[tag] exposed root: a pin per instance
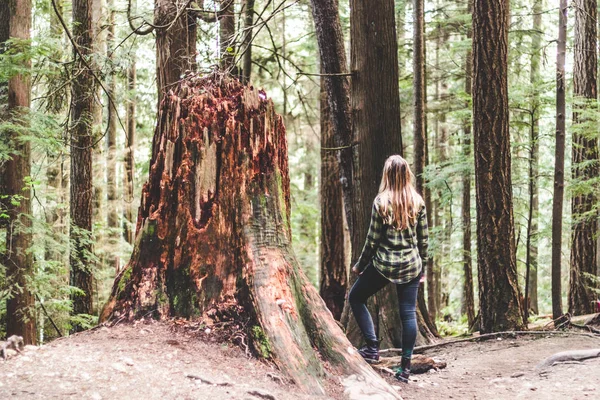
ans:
(567, 356)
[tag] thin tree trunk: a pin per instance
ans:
(98, 40)
(15, 17)
(559, 162)
(54, 174)
(531, 303)
(468, 305)
(584, 158)
(500, 305)
(111, 140)
(226, 33)
(129, 163)
(420, 137)
(247, 41)
(213, 237)
(83, 90)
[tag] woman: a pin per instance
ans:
(395, 251)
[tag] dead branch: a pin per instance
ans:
(488, 336)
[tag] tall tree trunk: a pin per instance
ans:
(333, 276)
(111, 141)
(83, 90)
(247, 40)
(213, 236)
(335, 69)
(15, 18)
(227, 33)
(420, 137)
(129, 164)
(376, 132)
(54, 206)
(175, 44)
(531, 281)
(499, 300)
(468, 298)
(559, 162)
(584, 158)
(98, 40)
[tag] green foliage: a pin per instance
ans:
(260, 342)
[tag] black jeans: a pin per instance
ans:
(369, 283)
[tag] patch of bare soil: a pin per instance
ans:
(152, 361)
(144, 361)
(506, 369)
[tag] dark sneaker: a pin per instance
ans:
(403, 371)
(402, 375)
(370, 352)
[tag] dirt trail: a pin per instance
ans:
(150, 361)
(505, 369)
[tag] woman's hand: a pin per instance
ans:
(356, 270)
(423, 278)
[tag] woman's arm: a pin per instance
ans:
(422, 236)
(372, 241)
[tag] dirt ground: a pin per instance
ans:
(151, 361)
(506, 369)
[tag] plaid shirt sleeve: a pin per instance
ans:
(423, 237)
(372, 242)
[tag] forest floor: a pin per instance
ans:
(155, 361)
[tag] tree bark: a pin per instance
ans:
(227, 34)
(559, 162)
(584, 158)
(500, 305)
(376, 134)
(213, 235)
(129, 164)
(83, 90)
(111, 141)
(334, 67)
(15, 17)
(468, 298)
(175, 44)
(333, 274)
(247, 41)
(531, 281)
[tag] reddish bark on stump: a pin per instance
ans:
(213, 230)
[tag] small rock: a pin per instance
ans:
(127, 361)
(517, 375)
(119, 367)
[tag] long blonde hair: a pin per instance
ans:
(398, 201)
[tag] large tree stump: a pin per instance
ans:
(213, 230)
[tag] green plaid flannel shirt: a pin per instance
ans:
(399, 255)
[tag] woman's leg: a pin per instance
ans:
(407, 299)
(367, 284)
